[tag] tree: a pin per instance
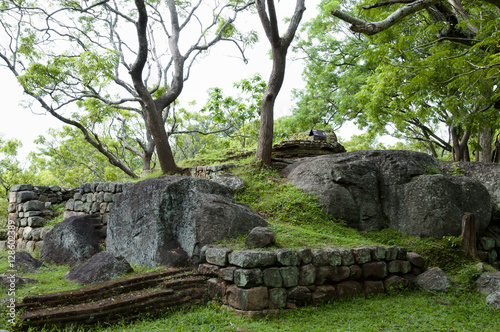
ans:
(404, 79)
(66, 159)
(111, 57)
(279, 48)
(11, 172)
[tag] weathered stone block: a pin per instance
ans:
(373, 287)
(374, 270)
(320, 257)
(11, 208)
(377, 253)
(332, 273)
(260, 237)
(362, 255)
(399, 266)
(31, 214)
(287, 257)
(22, 187)
(324, 293)
(394, 282)
(227, 273)
(216, 288)
(300, 295)
(415, 259)
(334, 258)
(248, 299)
(402, 253)
(391, 253)
(307, 275)
(24, 196)
(272, 277)
(247, 278)
(305, 255)
(35, 221)
(290, 276)
(208, 270)
(349, 288)
(277, 298)
(356, 272)
(217, 256)
(70, 204)
(252, 258)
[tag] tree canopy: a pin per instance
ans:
(431, 75)
(90, 62)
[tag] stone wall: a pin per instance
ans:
(208, 172)
(254, 280)
(31, 205)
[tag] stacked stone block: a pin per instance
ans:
(29, 206)
(208, 172)
(489, 249)
(254, 280)
(94, 198)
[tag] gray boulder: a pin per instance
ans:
(433, 280)
(260, 237)
(433, 205)
(486, 173)
(167, 220)
(493, 300)
(488, 283)
(71, 241)
(24, 261)
(399, 189)
(100, 267)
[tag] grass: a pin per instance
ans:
(299, 222)
(408, 310)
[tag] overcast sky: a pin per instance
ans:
(222, 67)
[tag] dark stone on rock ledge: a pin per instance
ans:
(260, 237)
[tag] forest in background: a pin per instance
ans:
(429, 77)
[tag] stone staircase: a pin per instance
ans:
(124, 299)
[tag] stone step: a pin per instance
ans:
(116, 300)
(103, 290)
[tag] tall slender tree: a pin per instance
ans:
(279, 48)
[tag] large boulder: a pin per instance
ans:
(400, 189)
(101, 267)
(486, 173)
(167, 220)
(433, 205)
(71, 241)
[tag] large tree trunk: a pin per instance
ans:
(266, 132)
(460, 140)
(485, 140)
(279, 46)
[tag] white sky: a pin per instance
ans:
(222, 67)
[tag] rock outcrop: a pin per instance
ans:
(167, 220)
(403, 190)
(71, 241)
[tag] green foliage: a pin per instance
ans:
(401, 81)
(65, 158)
